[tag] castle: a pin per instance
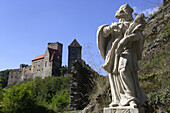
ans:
(74, 53)
(47, 64)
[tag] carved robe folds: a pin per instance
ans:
(121, 48)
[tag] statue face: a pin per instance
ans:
(125, 11)
(120, 14)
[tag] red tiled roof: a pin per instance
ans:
(38, 57)
(75, 43)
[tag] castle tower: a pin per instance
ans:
(49, 63)
(74, 53)
(53, 59)
(56, 46)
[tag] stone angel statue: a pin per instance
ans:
(120, 44)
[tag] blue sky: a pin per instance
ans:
(26, 26)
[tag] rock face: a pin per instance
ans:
(155, 31)
(81, 85)
(165, 2)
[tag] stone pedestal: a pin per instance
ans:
(122, 110)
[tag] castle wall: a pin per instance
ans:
(74, 53)
(14, 76)
(27, 69)
(58, 46)
(54, 53)
(55, 68)
(47, 65)
(19, 75)
(37, 67)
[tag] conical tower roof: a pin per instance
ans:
(75, 43)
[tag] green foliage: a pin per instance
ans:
(166, 32)
(63, 70)
(46, 88)
(1, 94)
(60, 100)
(40, 96)
(160, 98)
(19, 98)
(150, 15)
(154, 72)
(4, 77)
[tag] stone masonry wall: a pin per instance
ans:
(38, 67)
(74, 53)
(19, 75)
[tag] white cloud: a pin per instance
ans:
(146, 11)
(135, 9)
(150, 10)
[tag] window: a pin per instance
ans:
(45, 63)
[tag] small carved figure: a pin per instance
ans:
(120, 45)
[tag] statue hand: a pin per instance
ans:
(114, 25)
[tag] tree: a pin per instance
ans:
(4, 77)
(63, 70)
(61, 100)
(93, 58)
(19, 98)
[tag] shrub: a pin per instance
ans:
(19, 98)
(61, 100)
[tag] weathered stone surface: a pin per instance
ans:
(167, 17)
(122, 110)
(88, 109)
(165, 2)
(121, 44)
(19, 75)
(156, 29)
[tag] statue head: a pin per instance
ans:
(140, 18)
(125, 11)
